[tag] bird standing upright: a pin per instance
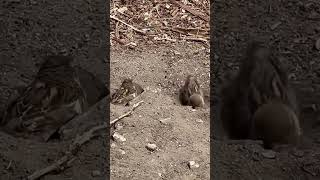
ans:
(261, 80)
(191, 93)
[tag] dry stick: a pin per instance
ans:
(195, 39)
(190, 38)
(185, 30)
(134, 28)
(127, 113)
(67, 159)
(188, 8)
(9, 165)
(117, 31)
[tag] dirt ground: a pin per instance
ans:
(292, 27)
(184, 134)
(30, 30)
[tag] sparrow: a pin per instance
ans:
(191, 93)
(260, 78)
(127, 92)
(53, 98)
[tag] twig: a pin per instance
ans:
(117, 31)
(188, 8)
(308, 171)
(53, 167)
(127, 113)
(188, 31)
(134, 28)
(9, 165)
(165, 38)
(67, 159)
(69, 156)
(195, 39)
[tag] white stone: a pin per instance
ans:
(151, 147)
(118, 137)
(193, 164)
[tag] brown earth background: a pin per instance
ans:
(157, 44)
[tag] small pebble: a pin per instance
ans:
(176, 53)
(165, 121)
(199, 121)
(317, 44)
(113, 145)
(269, 154)
(118, 137)
(151, 147)
(216, 57)
(122, 152)
(193, 164)
(118, 126)
(131, 45)
(87, 37)
(96, 173)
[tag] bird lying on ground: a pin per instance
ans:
(54, 97)
(127, 92)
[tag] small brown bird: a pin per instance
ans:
(276, 123)
(126, 93)
(191, 93)
(268, 79)
(261, 78)
(53, 98)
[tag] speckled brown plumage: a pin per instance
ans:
(127, 92)
(51, 100)
(261, 78)
(191, 93)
